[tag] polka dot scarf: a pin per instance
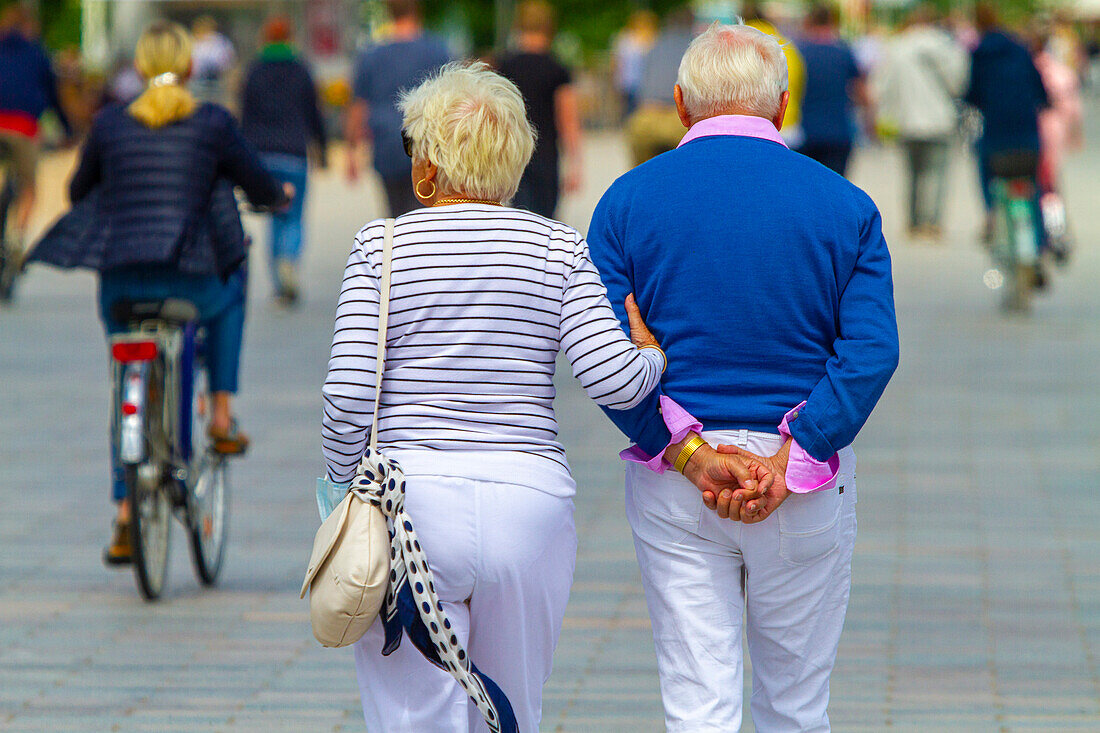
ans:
(411, 605)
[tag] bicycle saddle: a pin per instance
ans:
(170, 310)
(1014, 164)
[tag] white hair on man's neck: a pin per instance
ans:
(732, 69)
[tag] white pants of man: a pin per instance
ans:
(503, 558)
(788, 576)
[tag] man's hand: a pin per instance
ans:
(775, 493)
(726, 481)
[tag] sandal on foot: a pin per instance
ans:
(119, 551)
(230, 443)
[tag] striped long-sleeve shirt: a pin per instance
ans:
(482, 298)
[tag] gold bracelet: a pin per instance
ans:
(687, 452)
(660, 351)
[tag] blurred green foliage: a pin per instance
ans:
(592, 22)
(60, 23)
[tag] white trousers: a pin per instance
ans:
(788, 577)
(503, 558)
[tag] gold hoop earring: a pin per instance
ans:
(417, 189)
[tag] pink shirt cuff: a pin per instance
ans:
(679, 422)
(805, 474)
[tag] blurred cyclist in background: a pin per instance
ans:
(149, 173)
(28, 87)
(1006, 88)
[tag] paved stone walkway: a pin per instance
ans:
(976, 600)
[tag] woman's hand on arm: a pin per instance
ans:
(639, 332)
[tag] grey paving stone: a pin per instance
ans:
(976, 596)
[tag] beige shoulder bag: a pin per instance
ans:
(349, 568)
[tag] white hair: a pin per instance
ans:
(472, 123)
(732, 68)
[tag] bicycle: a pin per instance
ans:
(160, 414)
(1016, 237)
(10, 260)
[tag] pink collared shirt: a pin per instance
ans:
(804, 473)
(743, 125)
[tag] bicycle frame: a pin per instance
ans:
(133, 355)
(1016, 235)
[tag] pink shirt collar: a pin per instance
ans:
(744, 125)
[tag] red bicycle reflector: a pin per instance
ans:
(129, 408)
(134, 351)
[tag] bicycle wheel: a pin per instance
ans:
(8, 259)
(150, 493)
(207, 512)
(207, 491)
(150, 525)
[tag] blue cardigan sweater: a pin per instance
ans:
(766, 279)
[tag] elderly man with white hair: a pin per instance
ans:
(766, 278)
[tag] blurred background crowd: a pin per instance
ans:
(1005, 75)
(605, 45)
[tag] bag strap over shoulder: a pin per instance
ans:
(383, 323)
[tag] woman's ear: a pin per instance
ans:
(430, 170)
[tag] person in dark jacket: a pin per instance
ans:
(152, 167)
(551, 100)
(834, 86)
(1006, 88)
(279, 117)
(28, 87)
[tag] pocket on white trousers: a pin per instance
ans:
(809, 525)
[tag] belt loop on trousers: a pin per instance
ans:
(743, 438)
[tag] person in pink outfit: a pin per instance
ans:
(1060, 124)
(1060, 132)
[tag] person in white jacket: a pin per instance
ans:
(924, 76)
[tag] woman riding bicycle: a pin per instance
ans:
(154, 168)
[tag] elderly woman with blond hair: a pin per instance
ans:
(483, 297)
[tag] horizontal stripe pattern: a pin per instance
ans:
(481, 300)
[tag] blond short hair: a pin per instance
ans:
(732, 67)
(472, 123)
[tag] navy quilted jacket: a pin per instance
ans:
(153, 188)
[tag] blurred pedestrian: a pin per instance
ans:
(212, 58)
(655, 127)
(734, 231)
(547, 88)
(1061, 125)
(753, 16)
(628, 56)
(28, 88)
(921, 82)
(280, 117)
(834, 82)
(1061, 130)
(380, 73)
(1005, 87)
(488, 295)
(149, 174)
